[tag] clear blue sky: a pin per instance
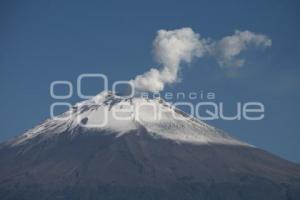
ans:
(43, 41)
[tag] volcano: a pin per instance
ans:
(114, 147)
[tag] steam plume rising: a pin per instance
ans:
(171, 48)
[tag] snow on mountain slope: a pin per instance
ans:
(120, 115)
(138, 156)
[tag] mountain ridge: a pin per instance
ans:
(87, 114)
(147, 159)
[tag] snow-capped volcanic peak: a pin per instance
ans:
(121, 115)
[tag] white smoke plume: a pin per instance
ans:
(171, 48)
(228, 48)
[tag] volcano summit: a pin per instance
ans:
(143, 149)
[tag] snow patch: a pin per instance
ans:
(107, 111)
